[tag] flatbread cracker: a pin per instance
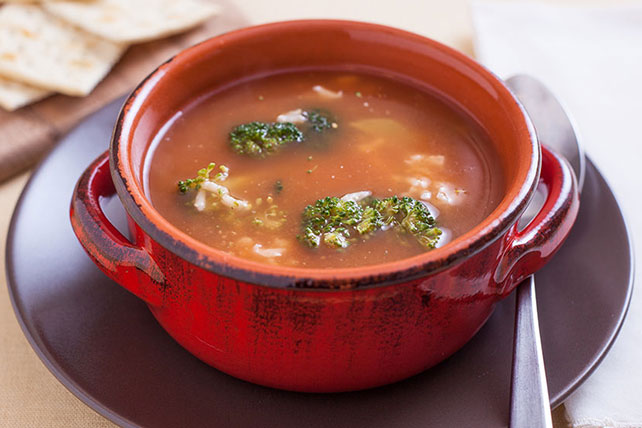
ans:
(129, 21)
(41, 50)
(14, 95)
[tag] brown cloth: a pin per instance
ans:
(29, 132)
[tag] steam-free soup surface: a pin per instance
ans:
(387, 138)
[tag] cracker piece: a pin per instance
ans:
(41, 50)
(14, 95)
(128, 21)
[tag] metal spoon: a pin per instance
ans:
(529, 402)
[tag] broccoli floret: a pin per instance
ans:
(318, 127)
(310, 237)
(411, 216)
(203, 174)
(330, 216)
(336, 239)
(259, 139)
(319, 120)
(371, 220)
(333, 221)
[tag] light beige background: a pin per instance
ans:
(30, 396)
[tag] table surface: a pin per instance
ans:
(30, 396)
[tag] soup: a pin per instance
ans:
(323, 169)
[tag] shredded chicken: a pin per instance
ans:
(327, 93)
(234, 204)
(220, 192)
(200, 199)
(268, 252)
(216, 188)
(292, 116)
(449, 194)
(356, 196)
(422, 160)
(419, 188)
(425, 196)
(419, 182)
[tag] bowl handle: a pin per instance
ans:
(528, 250)
(127, 264)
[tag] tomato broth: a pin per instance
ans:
(384, 138)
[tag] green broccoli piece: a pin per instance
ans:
(329, 219)
(259, 139)
(333, 221)
(411, 216)
(310, 237)
(319, 120)
(203, 174)
(371, 221)
(336, 239)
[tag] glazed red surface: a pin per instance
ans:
(312, 330)
(313, 340)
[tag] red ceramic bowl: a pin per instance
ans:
(323, 330)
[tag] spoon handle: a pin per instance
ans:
(529, 401)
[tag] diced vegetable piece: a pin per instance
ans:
(381, 127)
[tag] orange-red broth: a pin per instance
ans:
(391, 139)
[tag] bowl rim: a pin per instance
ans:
(140, 209)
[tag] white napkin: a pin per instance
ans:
(591, 57)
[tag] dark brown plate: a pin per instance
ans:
(105, 346)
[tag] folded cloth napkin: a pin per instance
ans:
(591, 57)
